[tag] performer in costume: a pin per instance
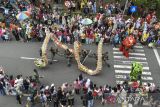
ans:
(105, 58)
(127, 43)
(84, 54)
(69, 57)
(53, 53)
(136, 71)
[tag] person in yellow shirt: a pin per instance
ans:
(82, 4)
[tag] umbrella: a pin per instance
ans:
(86, 21)
(23, 15)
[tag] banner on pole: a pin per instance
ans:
(133, 9)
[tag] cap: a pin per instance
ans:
(47, 87)
(52, 85)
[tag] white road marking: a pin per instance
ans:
(28, 58)
(130, 62)
(135, 58)
(138, 43)
(136, 54)
(136, 50)
(138, 46)
(121, 76)
(124, 77)
(147, 78)
(157, 55)
(121, 82)
(35, 58)
(128, 72)
(148, 82)
(121, 62)
(128, 67)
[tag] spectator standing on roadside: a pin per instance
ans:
(70, 96)
(84, 99)
(63, 100)
(86, 10)
(2, 91)
(94, 7)
(90, 99)
(55, 100)
(36, 75)
(43, 99)
(15, 33)
(77, 86)
(26, 84)
(19, 98)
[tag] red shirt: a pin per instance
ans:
(59, 33)
(90, 36)
(12, 82)
(65, 33)
(88, 31)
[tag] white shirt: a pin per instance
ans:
(1, 76)
(19, 82)
(44, 17)
(89, 4)
(138, 24)
(6, 36)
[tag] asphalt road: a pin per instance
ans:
(58, 72)
(153, 64)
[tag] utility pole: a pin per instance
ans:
(125, 7)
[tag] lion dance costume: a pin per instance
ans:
(127, 43)
(136, 70)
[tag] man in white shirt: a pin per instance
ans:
(138, 23)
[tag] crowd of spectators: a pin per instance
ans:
(68, 27)
(66, 94)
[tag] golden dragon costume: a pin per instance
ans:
(76, 51)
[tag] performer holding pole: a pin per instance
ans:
(53, 53)
(83, 54)
(86, 56)
(69, 57)
(105, 58)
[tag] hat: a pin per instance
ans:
(52, 85)
(47, 87)
(145, 84)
